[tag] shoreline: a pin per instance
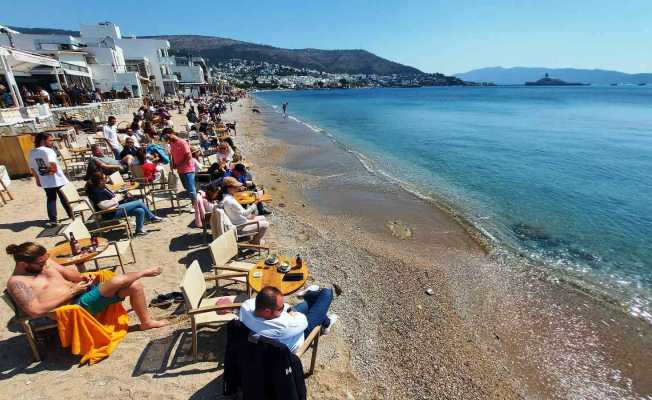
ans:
(491, 244)
(574, 298)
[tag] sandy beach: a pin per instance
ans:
(486, 331)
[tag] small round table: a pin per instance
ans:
(62, 253)
(249, 197)
(265, 275)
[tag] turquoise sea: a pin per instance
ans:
(562, 175)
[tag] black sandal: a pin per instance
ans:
(161, 301)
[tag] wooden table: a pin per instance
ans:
(62, 253)
(269, 276)
(249, 197)
(79, 150)
(127, 186)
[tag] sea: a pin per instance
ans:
(559, 175)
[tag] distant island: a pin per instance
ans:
(519, 75)
(548, 81)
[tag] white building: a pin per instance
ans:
(97, 59)
(154, 50)
(74, 61)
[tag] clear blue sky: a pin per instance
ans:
(435, 36)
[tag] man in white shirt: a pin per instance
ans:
(268, 316)
(48, 174)
(110, 133)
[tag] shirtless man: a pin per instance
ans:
(39, 285)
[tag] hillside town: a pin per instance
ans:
(101, 63)
(263, 75)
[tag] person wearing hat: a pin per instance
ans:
(240, 215)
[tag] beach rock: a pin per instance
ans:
(430, 292)
(281, 205)
(399, 229)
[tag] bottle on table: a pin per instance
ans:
(299, 262)
(74, 245)
(94, 243)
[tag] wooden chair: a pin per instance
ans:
(116, 249)
(220, 223)
(30, 325)
(203, 310)
(4, 191)
(117, 179)
(79, 205)
(73, 165)
(223, 250)
(157, 191)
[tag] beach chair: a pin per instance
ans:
(30, 326)
(79, 205)
(73, 165)
(5, 192)
(203, 310)
(223, 251)
(220, 223)
(117, 179)
(116, 249)
(155, 192)
(244, 347)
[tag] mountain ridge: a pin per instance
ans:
(354, 61)
(520, 75)
(216, 49)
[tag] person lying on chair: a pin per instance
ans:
(269, 316)
(39, 285)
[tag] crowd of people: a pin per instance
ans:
(150, 142)
(74, 94)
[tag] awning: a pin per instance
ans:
(24, 61)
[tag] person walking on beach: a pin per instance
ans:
(48, 174)
(285, 109)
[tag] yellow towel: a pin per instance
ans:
(94, 338)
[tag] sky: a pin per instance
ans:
(434, 36)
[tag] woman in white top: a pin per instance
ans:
(224, 153)
(240, 215)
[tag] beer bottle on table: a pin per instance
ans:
(74, 245)
(299, 262)
(94, 243)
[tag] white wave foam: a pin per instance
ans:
(312, 128)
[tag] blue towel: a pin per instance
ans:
(157, 148)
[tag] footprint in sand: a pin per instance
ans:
(399, 229)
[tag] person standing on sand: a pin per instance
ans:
(110, 133)
(39, 285)
(48, 174)
(285, 109)
(182, 161)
